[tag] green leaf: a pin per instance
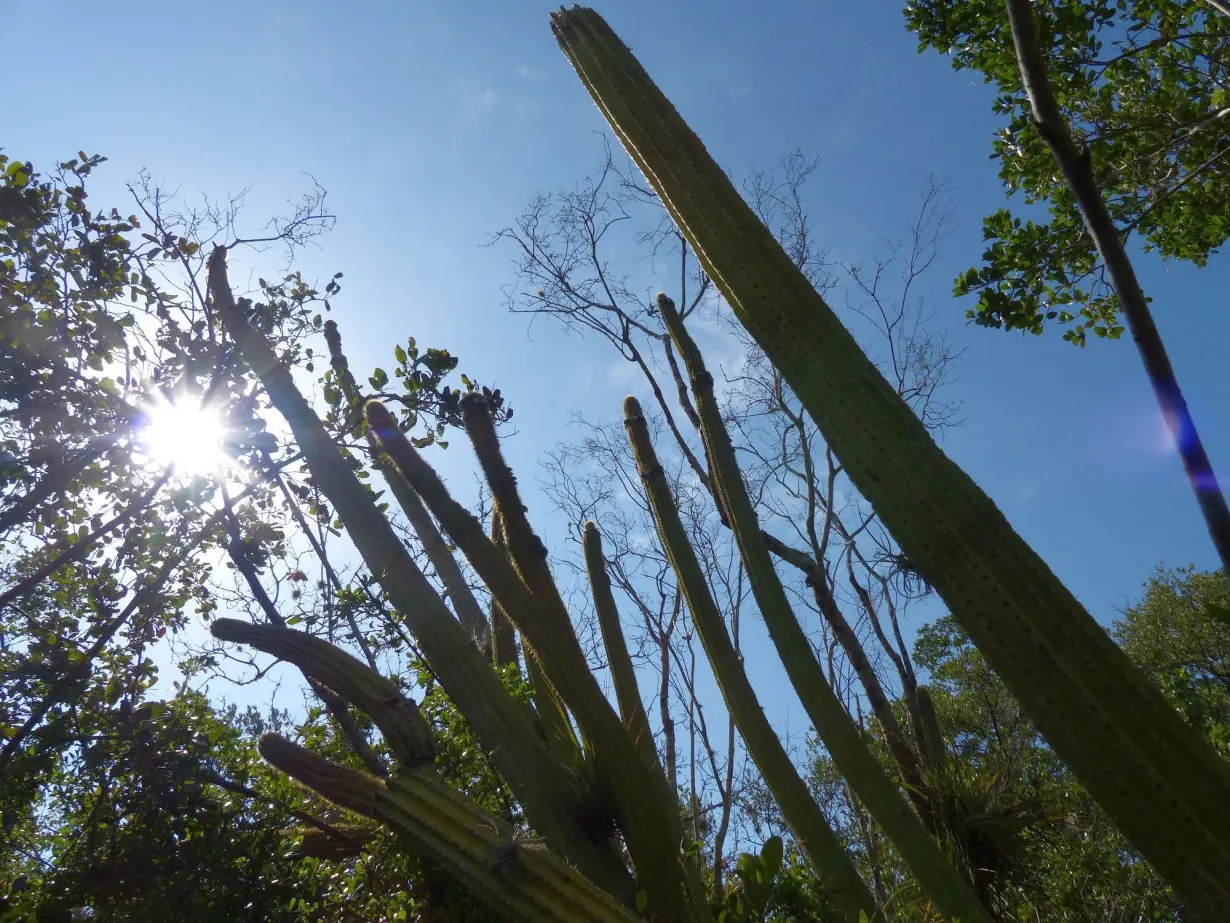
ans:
(771, 856)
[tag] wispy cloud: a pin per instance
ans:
(1025, 493)
(470, 100)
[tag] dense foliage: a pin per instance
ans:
(122, 793)
(1145, 86)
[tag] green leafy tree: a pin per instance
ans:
(1179, 633)
(1036, 842)
(1145, 87)
(135, 822)
(108, 550)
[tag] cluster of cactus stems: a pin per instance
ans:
(1164, 786)
(585, 772)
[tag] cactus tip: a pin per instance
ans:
(632, 407)
(342, 786)
(229, 629)
(379, 418)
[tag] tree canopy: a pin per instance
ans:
(1145, 86)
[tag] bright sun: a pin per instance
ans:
(184, 437)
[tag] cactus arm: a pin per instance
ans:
(845, 744)
(1164, 786)
(818, 841)
(525, 549)
(648, 814)
(547, 791)
(405, 730)
(551, 711)
(927, 732)
(623, 673)
(529, 558)
(520, 880)
(503, 634)
(356, 791)
(469, 613)
(464, 604)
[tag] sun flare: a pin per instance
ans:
(185, 437)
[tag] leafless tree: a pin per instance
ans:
(589, 258)
(595, 478)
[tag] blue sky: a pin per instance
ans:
(431, 124)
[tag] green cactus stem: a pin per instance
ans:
(466, 607)
(623, 673)
(1164, 786)
(845, 743)
(551, 711)
(927, 734)
(548, 792)
(525, 549)
(407, 734)
(516, 876)
(648, 814)
(353, 790)
(529, 557)
(503, 634)
(817, 839)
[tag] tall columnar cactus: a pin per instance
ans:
(528, 595)
(584, 773)
(819, 843)
(1164, 786)
(849, 751)
(554, 796)
(623, 673)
